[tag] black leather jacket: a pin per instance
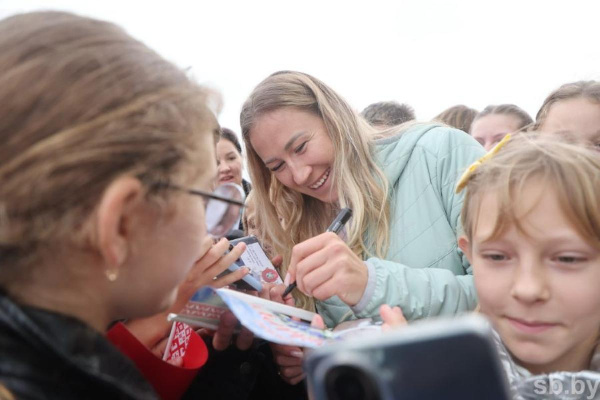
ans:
(45, 355)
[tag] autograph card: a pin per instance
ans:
(255, 258)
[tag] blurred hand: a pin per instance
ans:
(324, 266)
(223, 336)
(392, 317)
(153, 331)
(212, 263)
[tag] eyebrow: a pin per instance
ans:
(287, 145)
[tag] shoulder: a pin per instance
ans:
(425, 140)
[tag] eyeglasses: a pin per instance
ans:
(222, 208)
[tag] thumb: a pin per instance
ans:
(317, 322)
(277, 261)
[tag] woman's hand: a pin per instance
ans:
(324, 266)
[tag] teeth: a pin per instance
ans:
(321, 181)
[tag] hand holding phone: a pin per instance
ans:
(261, 269)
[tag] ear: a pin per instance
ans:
(113, 219)
(465, 246)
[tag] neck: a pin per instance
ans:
(69, 295)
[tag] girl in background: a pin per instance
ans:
(494, 122)
(229, 160)
(573, 110)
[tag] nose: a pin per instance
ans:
(530, 284)
(223, 167)
(300, 174)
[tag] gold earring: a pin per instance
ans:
(112, 275)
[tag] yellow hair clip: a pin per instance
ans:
(464, 179)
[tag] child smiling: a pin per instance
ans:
(531, 221)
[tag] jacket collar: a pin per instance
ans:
(74, 343)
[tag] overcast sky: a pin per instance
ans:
(431, 54)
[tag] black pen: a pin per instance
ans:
(335, 227)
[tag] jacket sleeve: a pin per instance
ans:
(419, 292)
(427, 292)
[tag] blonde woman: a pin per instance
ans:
(309, 155)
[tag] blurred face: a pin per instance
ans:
(252, 227)
(489, 130)
(167, 244)
(539, 287)
(577, 118)
(229, 163)
(294, 145)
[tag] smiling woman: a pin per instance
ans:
(310, 154)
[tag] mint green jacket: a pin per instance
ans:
(424, 271)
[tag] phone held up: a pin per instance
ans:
(435, 359)
(261, 269)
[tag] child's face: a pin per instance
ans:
(578, 118)
(539, 287)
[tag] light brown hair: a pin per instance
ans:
(459, 117)
(587, 89)
(570, 171)
(507, 109)
(82, 104)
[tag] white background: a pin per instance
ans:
(431, 54)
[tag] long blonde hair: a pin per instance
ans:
(82, 104)
(361, 184)
(572, 171)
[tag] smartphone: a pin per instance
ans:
(446, 359)
(261, 269)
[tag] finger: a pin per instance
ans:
(160, 347)
(317, 275)
(284, 361)
(309, 264)
(224, 332)
(216, 251)
(288, 351)
(205, 332)
(230, 278)
(392, 317)
(317, 322)
(296, 380)
(311, 246)
(225, 260)
(329, 288)
(277, 261)
(265, 292)
(291, 372)
(244, 339)
(205, 245)
(276, 293)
